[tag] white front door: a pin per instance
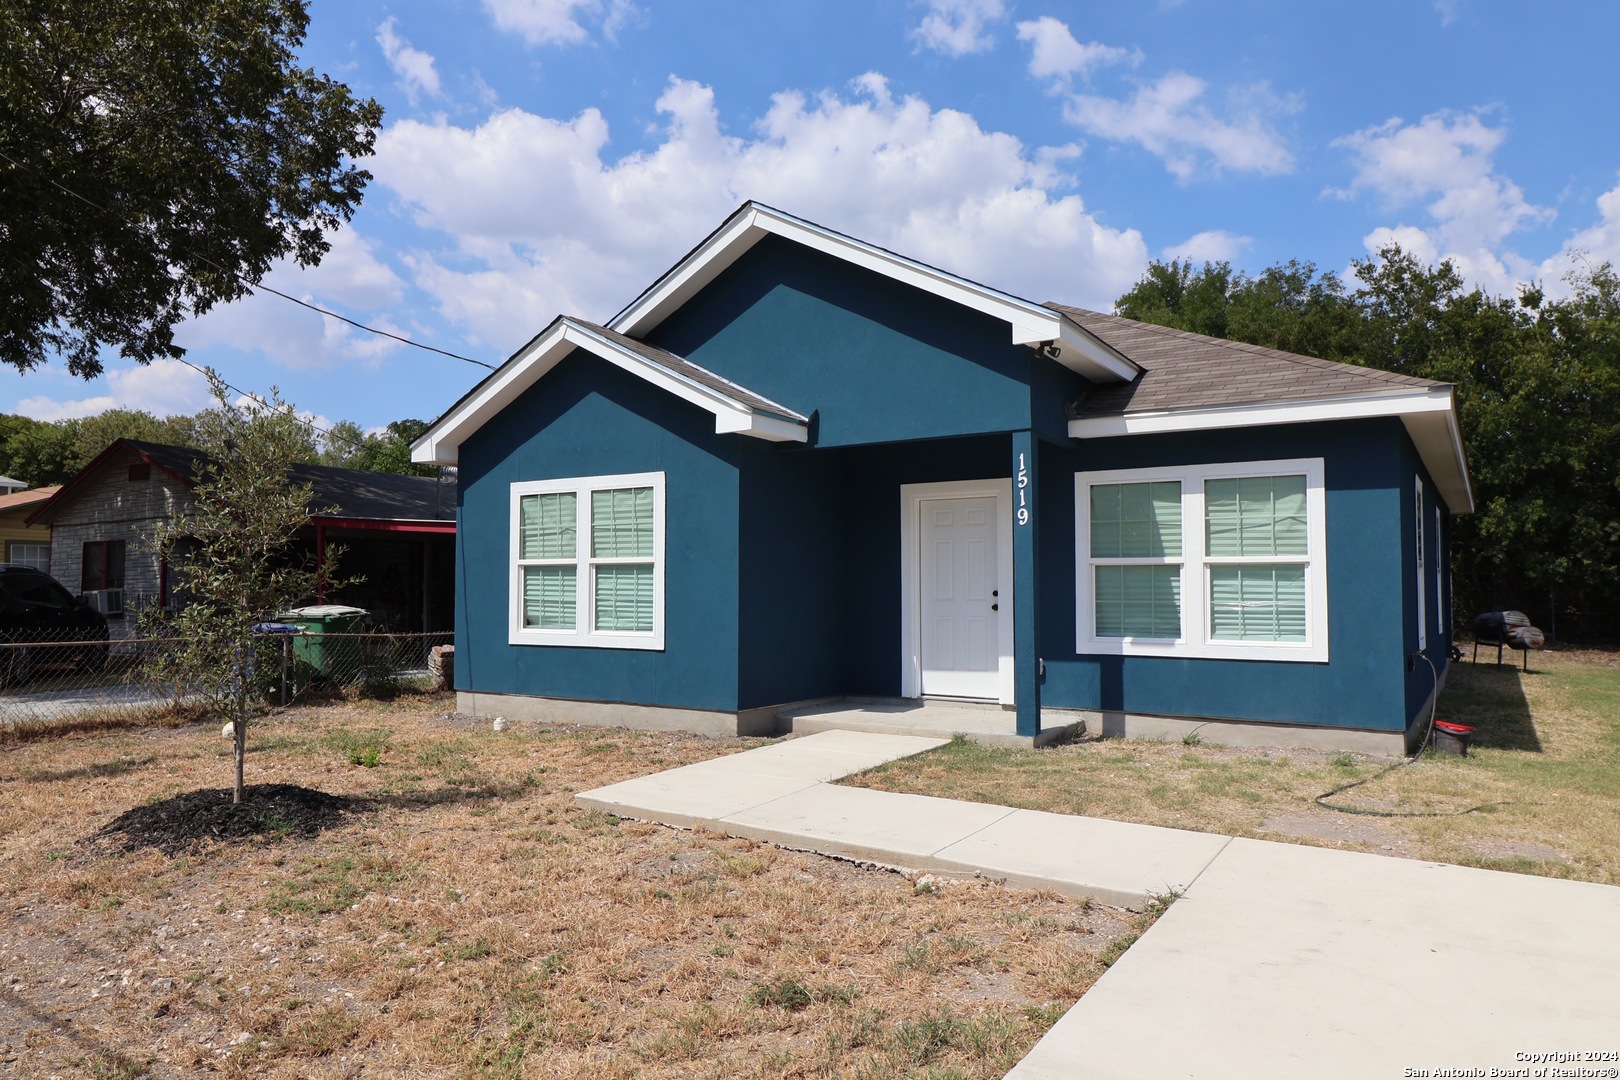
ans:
(960, 597)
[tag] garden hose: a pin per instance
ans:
(1434, 707)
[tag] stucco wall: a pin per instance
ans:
(1366, 469)
(588, 418)
(874, 360)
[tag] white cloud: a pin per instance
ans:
(541, 222)
(163, 388)
(1446, 162)
(1171, 119)
(413, 67)
(1056, 55)
(1214, 245)
(1597, 244)
(349, 279)
(558, 22)
(1447, 10)
(957, 27)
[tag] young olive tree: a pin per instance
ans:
(238, 554)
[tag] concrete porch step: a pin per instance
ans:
(985, 723)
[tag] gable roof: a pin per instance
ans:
(1190, 382)
(735, 408)
(357, 495)
(1030, 323)
(1142, 378)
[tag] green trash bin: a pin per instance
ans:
(336, 658)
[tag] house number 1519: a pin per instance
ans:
(1023, 491)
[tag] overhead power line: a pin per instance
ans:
(251, 286)
(307, 422)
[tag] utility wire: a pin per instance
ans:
(358, 444)
(251, 286)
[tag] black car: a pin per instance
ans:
(42, 626)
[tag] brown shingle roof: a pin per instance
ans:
(356, 494)
(1183, 370)
(27, 497)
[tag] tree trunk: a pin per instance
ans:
(240, 747)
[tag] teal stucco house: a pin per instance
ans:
(802, 472)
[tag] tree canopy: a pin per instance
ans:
(1538, 385)
(156, 157)
(41, 452)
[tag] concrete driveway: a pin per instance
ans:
(1277, 961)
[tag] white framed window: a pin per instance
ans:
(1225, 561)
(588, 562)
(25, 554)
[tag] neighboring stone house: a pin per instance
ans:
(398, 533)
(19, 542)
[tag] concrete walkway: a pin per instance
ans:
(1278, 960)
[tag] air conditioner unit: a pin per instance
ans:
(109, 602)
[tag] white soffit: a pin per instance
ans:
(1430, 416)
(1032, 324)
(441, 443)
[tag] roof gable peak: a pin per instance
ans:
(1030, 323)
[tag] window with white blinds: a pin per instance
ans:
(1209, 560)
(588, 561)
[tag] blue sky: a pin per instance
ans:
(553, 156)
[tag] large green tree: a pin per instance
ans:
(156, 157)
(53, 453)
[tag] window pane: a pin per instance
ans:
(547, 526)
(1136, 521)
(548, 597)
(622, 523)
(624, 598)
(1256, 515)
(1257, 603)
(1138, 601)
(36, 555)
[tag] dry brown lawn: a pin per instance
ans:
(473, 922)
(1539, 792)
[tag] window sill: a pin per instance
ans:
(646, 642)
(1301, 653)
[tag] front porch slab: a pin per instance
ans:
(983, 723)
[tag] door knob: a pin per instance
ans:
(995, 607)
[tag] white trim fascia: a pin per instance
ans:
(1030, 323)
(1429, 413)
(912, 496)
(776, 408)
(441, 443)
(760, 427)
(1086, 354)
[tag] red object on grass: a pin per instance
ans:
(1453, 729)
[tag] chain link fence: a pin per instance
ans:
(61, 679)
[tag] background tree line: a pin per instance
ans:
(1538, 385)
(53, 452)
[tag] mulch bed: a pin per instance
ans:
(267, 812)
